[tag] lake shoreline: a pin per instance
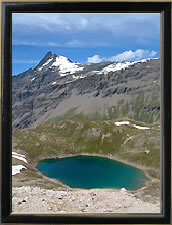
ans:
(143, 168)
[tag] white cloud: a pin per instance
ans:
(54, 22)
(124, 56)
(95, 59)
(51, 22)
(131, 55)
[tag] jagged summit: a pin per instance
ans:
(45, 59)
(62, 64)
(49, 55)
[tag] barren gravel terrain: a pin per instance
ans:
(37, 200)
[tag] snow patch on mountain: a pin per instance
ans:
(121, 66)
(33, 79)
(122, 123)
(82, 76)
(46, 63)
(75, 77)
(141, 128)
(16, 169)
(65, 66)
(19, 157)
(15, 153)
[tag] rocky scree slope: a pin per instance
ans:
(56, 89)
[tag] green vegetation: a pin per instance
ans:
(138, 108)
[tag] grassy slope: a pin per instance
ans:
(132, 108)
(93, 137)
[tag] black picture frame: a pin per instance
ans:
(6, 106)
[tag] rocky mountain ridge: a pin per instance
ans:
(56, 88)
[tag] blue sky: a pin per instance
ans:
(83, 37)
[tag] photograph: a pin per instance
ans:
(86, 113)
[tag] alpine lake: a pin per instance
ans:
(89, 172)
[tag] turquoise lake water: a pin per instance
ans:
(93, 172)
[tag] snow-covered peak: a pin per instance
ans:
(60, 63)
(65, 66)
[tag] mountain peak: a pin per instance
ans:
(49, 54)
(58, 63)
(46, 59)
